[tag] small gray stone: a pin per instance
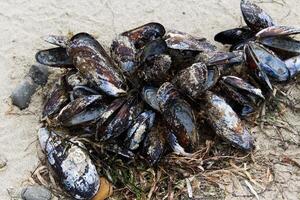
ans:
(21, 96)
(36, 192)
(39, 74)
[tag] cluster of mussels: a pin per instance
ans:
(144, 100)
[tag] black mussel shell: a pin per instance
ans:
(227, 124)
(138, 130)
(72, 164)
(153, 48)
(256, 70)
(124, 54)
(94, 64)
(243, 87)
(293, 64)
(192, 80)
(58, 40)
(175, 146)
(273, 66)
(234, 36)
(149, 96)
(285, 47)
(81, 91)
(122, 120)
(141, 35)
(239, 103)
(179, 116)
(278, 31)
(254, 16)
(56, 100)
(56, 57)
(154, 145)
(75, 107)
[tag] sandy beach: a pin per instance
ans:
(24, 22)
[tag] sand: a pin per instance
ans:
(24, 22)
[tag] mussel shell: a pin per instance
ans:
(277, 31)
(192, 80)
(284, 46)
(55, 57)
(153, 48)
(86, 116)
(239, 103)
(149, 96)
(57, 99)
(81, 91)
(273, 66)
(154, 145)
(156, 70)
(71, 163)
(94, 64)
(75, 107)
(75, 79)
(255, 17)
(124, 54)
(175, 146)
(122, 121)
(184, 48)
(293, 64)
(141, 35)
(58, 40)
(242, 86)
(256, 70)
(234, 36)
(141, 126)
(227, 124)
(183, 41)
(226, 58)
(179, 116)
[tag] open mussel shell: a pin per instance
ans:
(154, 145)
(149, 96)
(284, 46)
(234, 36)
(184, 48)
(179, 116)
(58, 40)
(71, 163)
(123, 52)
(244, 87)
(184, 41)
(153, 48)
(293, 64)
(239, 102)
(227, 124)
(141, 35)
(122, 120)
(70, 112)
(81, 91)
(138, 130)
(278, 31)
(56, 100)
(254, 16)
(93, 62)
(255, 68)
(55, 57)
(273, 66)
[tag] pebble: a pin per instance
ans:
(37, 76)
(36, 192)
(21, 96)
